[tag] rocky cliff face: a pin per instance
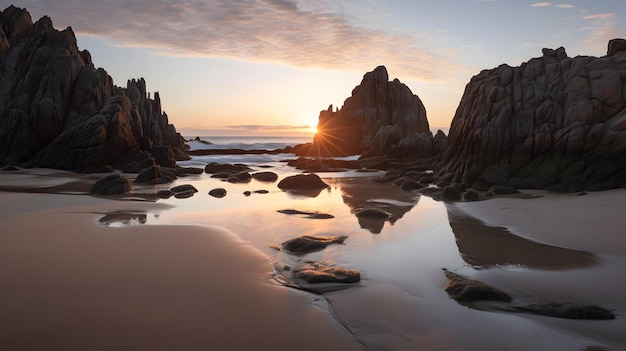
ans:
(376, 120)
(58, 111)
(554, 123)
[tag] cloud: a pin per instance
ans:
(603, 28)
(303, 34)
(541, 4)
(565, 6)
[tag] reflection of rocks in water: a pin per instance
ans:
(483, 246)
(364, 194)
(118, 219)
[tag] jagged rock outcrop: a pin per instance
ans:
(381, 118)
(58, 111)
(555, 122)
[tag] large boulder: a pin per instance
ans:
(114, 184)
(555, 122)
(379, 115)
(58, 111)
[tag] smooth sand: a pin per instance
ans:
(68, 283)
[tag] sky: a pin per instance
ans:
(267, 67)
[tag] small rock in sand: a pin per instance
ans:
(306, 244)
(114, 184)
(320, 273)
(469, 290)
(218, 192)
(265, 176)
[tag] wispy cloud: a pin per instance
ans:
(541, 4)
(565, 6)
(302, 34)
(603, 27)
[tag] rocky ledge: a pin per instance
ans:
(381, 118)
(555, 123)
(58, 111)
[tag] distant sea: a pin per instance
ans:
(248, 142)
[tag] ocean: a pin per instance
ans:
(248, 142)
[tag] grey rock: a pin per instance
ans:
(554, 122)
(183, 188)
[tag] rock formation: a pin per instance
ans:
(58, 111)
(555, 122)
(381, 118)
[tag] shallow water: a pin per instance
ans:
(400, 302)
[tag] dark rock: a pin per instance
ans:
(184, 194)
(218, 192)
(58, 111)
(306, 244)
(615, 46)
(137, 163)
(182, 171)
(183, 188)
(105, 169)
(265, 176)
(302, 182)
(149, 175)
(10, 168)
(567, 310)
(320, 273)
(165, 194)
(503, 190)
(469, 290)
(312, 215)
(554, 122)
(214, 167)
(379, 115)
(261, 191)
(114, 184)
(247, 193)
(471, 195)
(451, 193)
(240, 177)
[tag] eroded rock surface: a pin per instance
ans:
(302, 182)
(381, 118)
(58, 111)
(469, 290)
(567, 310)
(555, 122)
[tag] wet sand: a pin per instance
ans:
(141, 283)
(71, 284)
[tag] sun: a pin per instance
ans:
(313, 129)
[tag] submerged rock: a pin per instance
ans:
(567, 310)
(114, 184)
(306, 244)
(469, 290)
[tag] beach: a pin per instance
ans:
(81, 272)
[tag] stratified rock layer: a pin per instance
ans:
(381, 118)
(58, 111)
(555, 123)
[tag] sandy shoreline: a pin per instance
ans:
(181, 281)
(70, 284)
